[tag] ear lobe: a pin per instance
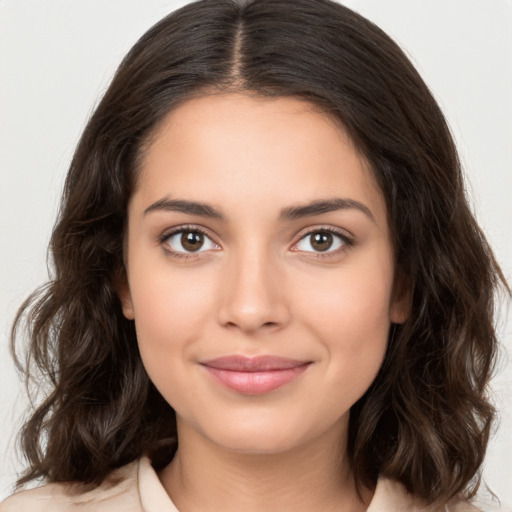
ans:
(127, 305)
(123, 292)
(399, 312)
(400, 306)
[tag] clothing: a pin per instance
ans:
(138, 489)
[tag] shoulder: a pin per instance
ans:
(391, 496)
(118, 492)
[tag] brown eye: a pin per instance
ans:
(321, 241)
(189, 241)
(192, 240)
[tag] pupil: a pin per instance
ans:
(321, 241)
(192, 241)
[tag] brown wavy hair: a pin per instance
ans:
(426, 419)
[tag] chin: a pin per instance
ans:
(267, 434)
(259, 443)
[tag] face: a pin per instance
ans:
(259, 271)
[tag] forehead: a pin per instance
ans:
(256, 148)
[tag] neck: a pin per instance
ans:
(206, 477)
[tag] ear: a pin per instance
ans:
(123, 292)
(400, 306)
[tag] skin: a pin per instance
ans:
(258, 286)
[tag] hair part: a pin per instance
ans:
(426, 419)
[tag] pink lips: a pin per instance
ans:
(255, 375)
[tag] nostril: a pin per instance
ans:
(251, 325)
(251, 304)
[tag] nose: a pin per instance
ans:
(253, 296)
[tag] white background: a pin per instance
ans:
(56, 59)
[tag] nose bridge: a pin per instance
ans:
(253, 296)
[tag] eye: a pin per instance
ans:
(322, 240)
(189, 241)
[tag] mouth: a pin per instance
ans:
(255, 375)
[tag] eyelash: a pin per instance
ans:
(181, 229)
(347, 242)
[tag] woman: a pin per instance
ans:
(269, 289)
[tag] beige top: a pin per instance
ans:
(139, 490)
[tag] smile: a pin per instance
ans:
(255, 375)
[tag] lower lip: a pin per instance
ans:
(256, 383)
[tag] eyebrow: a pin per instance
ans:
(324, 206)
(188, 207)
(290, 213)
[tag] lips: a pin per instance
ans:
(254, 375)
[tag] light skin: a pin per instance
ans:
(256, 229)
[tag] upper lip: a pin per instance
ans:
(253, 364)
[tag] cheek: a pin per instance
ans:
(170, 310)
(356, 300)
(167, 298)
(349, 313)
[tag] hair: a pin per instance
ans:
(426, 419)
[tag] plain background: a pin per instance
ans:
(56, 59)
